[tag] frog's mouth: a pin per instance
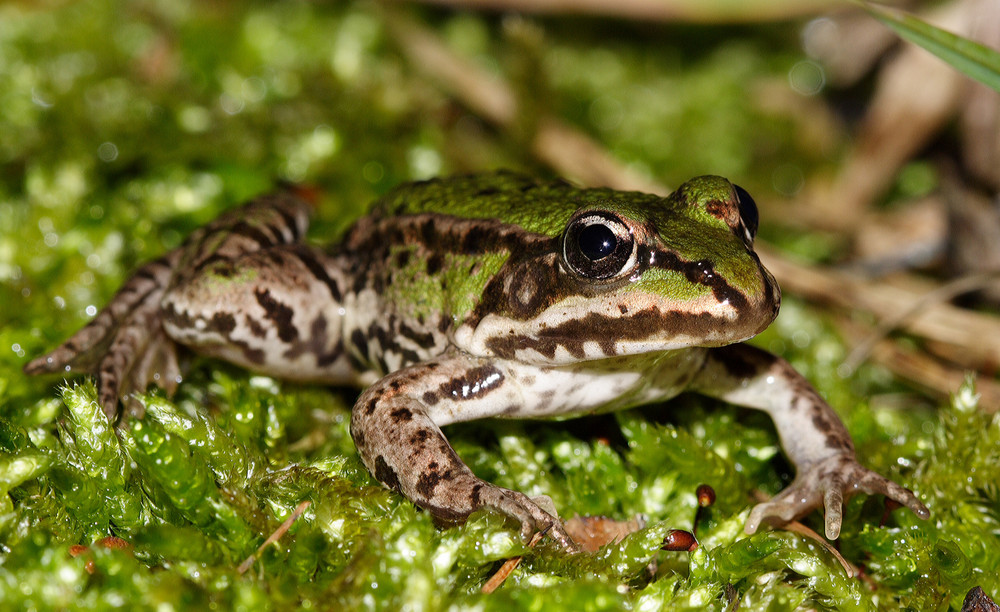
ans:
(633, 324)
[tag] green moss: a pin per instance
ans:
(127, 125)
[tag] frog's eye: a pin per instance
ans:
(748, 211)
(598, 245)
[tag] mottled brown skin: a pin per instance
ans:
(447, 313)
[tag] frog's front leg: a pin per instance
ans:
(812, 435)
(396, 427)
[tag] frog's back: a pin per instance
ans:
(536, 206)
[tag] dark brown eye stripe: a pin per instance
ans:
(700, 272)
(605, 330)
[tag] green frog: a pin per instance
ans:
(492, 295)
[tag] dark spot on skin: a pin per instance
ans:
(429, 231)
(738, 361)
(309, 259)
(223, 322)
(509, 410)
(385, 474)
(279, 314)
(220, 264)
(356, 363)
(474, 496)
(360, 344)
(430, 398)
(290, 222)
(256, 234)
(434, 264)
(622, 308)
(839, 443)
(372, 403)
(429, 480)
(419, 437)
(251, 354)
(144, 273)
(316, 343)
(719, 209)
(258, 330)
(422, 339)
(386, 338)
(473, 239)
(539, 273)
(401, 415)
(472, 384)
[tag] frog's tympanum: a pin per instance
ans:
(484, 296)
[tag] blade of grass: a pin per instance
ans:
(967, 56)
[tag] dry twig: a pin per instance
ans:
(274, 537)
(573, 154)
(508, 567)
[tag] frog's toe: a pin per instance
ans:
(830, 483)
(873, 483)
(124, 346)
(785, 507)
(533, 518)
(833, 505)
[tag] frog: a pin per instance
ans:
(491, 295)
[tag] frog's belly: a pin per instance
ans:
(538, 392)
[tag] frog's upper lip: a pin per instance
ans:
(627, 325)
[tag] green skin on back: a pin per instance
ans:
(682, 223)
(493, 295)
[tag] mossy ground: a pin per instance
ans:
(126, 125)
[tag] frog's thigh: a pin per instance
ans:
(277, 310)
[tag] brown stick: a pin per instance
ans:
(575, 155)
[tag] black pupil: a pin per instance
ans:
(597, 241)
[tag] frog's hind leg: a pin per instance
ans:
(278, 311)
(125, 345)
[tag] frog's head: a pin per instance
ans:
(631, 273)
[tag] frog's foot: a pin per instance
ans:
(533, 518)
(829, 483)
(124, 345)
